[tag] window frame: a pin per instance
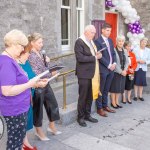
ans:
(67, 46)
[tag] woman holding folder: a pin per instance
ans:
(43, 96)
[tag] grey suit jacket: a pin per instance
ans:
(118, 65)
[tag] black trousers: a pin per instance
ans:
(85, 98)
(44, 96)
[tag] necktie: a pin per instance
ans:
(108, 47)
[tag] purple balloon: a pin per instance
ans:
(137, 23)
(137, 32)
(109, 3)
(133, 31)
(138, 29)
(130, 25)
(134, 26)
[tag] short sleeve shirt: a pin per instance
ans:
(12, 74)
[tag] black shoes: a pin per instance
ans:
(82, 122)
(119, 106)
(141, 98)
(135, 98)
(115, 107)
(129, 102)
(123, 102)
(90, 119)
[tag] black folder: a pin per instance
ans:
(56, 68)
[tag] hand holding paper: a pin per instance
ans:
(41, 75)
(53, 77)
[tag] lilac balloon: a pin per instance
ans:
(130, 25)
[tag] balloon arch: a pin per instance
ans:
(135, 31)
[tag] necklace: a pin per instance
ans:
(9, 54)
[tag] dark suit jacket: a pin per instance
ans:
(105, 60)
(85, 61)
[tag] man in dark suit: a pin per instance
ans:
(107, 65)
(86, 57)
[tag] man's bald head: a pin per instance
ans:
(89, 32)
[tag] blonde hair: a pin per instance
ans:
(34, 37)
(120, 37)
(15, 37)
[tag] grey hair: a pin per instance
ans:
(144, 39)
(120, 37)
(89, 27)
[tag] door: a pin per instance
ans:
(112, 19)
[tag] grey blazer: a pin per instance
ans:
(118, 65)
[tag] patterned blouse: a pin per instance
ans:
(37, 64)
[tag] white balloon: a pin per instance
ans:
(115, 2)
(126, 21)
(129, 34)
(141, 35)
(134, 35)
(124, 14)
(138, 18)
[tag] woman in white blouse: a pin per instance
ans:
(142, 54)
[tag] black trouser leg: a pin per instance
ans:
(85, 98)
(38, 100)
(51, 105)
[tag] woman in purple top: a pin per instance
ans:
(14, 89)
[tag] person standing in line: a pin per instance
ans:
(130, 73)
(142, 54)
(107, 65)
(118, 83)
(24, 63)
(87, 71)
(42, 96)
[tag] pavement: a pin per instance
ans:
(127, 129)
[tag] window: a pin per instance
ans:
(80, 16)
(65, 24)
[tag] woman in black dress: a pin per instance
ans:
(118, 82)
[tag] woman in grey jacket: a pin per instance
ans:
(118, 82)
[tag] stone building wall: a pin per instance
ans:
(30, 16)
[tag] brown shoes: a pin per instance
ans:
(109, 110)
(101, 112)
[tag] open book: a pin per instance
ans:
(56, 68)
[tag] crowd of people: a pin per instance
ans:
(121, 69)
(100, 69)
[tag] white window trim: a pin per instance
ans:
(67, 47)
(82, 16)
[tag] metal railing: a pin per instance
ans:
(62, 56)
(64, 74)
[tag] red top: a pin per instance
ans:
(133, 64)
